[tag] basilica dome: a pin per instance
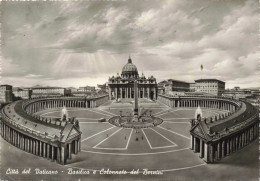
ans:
(129, 69)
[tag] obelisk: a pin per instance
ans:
(136, 99)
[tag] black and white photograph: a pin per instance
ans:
(163, 90)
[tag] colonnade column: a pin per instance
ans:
(223, 149)
(192, 142)
(219, 150)
(79, 144)
(40, 153)
(44, 149)
(48, 151)
(201, 149)
(76, 147)
(52, 153)
(227, 147)
(206, 154)
(37, 148)
(69, 155)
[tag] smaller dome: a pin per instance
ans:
(151, 78)
(142, 76)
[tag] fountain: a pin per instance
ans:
(64, 114)
(198, 113)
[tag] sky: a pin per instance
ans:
(84, 43)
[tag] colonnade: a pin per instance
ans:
(213, 103)
(36, 105)
(233, 135)
(222, 147)
(40, 146)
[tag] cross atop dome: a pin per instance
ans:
(129, 59)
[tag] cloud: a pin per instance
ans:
(238, 68)
(85, 41)
(238, 32)
(122, 30)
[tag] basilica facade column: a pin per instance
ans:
(116, 93)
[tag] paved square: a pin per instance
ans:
(165, 147)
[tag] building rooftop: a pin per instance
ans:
(173, 80)
(47, 87)
(209, 80)
(5, 85)
(17, 89)
(163, 82)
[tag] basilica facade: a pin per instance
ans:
(123, 86)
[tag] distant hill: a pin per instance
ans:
(38, 86)
(253, 88)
